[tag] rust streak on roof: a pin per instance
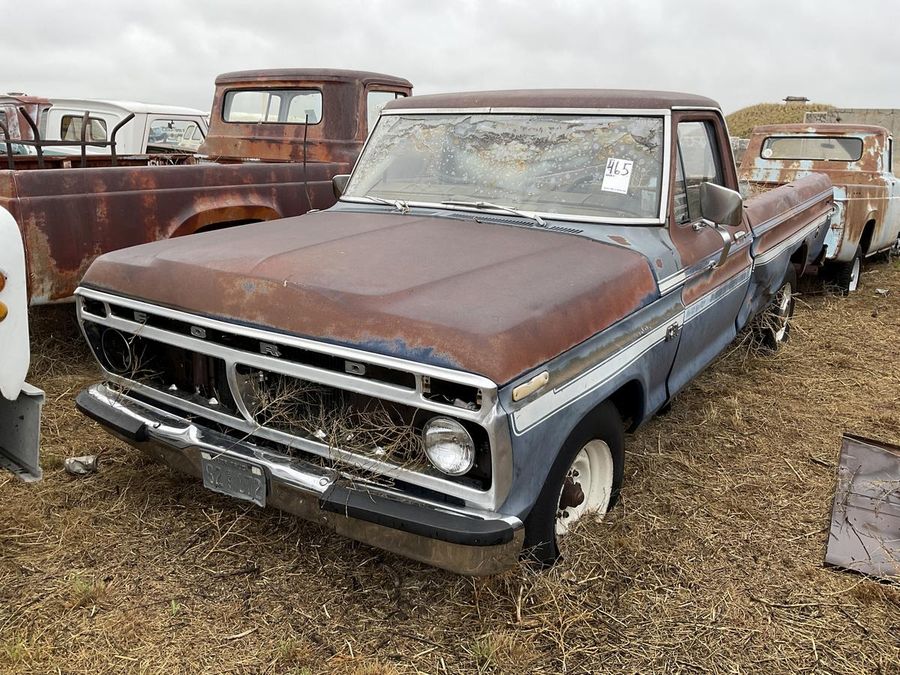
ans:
(558, 98)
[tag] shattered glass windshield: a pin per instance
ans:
(579, 165)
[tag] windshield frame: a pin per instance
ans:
(664, 113)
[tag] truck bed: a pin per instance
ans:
(70, 216)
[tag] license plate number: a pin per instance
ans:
(234, 478)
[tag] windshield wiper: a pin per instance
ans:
(398, 204)
(497, 207)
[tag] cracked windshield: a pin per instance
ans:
(596, 166)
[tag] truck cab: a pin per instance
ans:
(296, 114)
(153, 129)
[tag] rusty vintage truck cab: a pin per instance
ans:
(857, 158)
(276, 139)
(444, 363)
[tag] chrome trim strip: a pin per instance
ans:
(551, 402)
(766, 225)
(696, 308)
(705, 265)
(771, 254)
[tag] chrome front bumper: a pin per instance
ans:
(462, 540)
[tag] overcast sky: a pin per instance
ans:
(169, 51)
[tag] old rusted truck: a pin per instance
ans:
(276, 138)
(857, 159)
(445, 362)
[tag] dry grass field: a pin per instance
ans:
(712, 561)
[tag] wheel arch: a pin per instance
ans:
(865, 241)
(224, 216)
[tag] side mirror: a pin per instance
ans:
(339, 184)
(720, 205)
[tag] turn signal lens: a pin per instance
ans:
(2, 281)
(4, 310)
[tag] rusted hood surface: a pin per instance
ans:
(486, 298)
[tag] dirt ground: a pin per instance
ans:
(711, 562)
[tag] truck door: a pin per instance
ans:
(713, 289)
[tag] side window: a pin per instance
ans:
(375, 101)
(699, 162)
(172, 135)
(890, 155)
(70, 128)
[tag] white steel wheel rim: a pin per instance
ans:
(783, 316)
(590, 476)
(854, 275)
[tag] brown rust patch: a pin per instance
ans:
(482, 298)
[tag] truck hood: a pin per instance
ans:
(485, 298)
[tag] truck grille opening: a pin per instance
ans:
(368, 371)
(194, 377)
(369, 427)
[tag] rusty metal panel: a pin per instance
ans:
(865, 518)
(338, 138)
(111, 208)
(397, 285)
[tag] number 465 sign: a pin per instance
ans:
(617, 176)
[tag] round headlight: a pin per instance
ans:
(449, 446)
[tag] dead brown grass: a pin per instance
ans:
(712, 562)
(741, 122)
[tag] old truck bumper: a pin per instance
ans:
(466, 541)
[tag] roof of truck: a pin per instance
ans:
(629, 99)
(313, 74)
(97, 105)
(824, 128)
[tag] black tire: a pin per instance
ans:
(846, 275)
(603, 423)
(773, 325)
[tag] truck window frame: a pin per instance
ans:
(376, 89)
(727, 169)
(228, 94)
(762, 147)
(79, 118)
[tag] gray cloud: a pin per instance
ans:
(170, 52)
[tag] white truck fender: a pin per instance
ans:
(14, 349)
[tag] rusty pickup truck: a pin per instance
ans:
(275, 140)
(857, 159)
(444, 363)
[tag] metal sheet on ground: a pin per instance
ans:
(865, 518)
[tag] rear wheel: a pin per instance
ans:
(774, 324)
(846, 274)
(583, 483)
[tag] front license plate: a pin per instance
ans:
(234, 478)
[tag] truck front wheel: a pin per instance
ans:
(773, 327)
(584, 482)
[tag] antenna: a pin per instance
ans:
(305, 175)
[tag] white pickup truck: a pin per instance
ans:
(154, 129)
(20, 403)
